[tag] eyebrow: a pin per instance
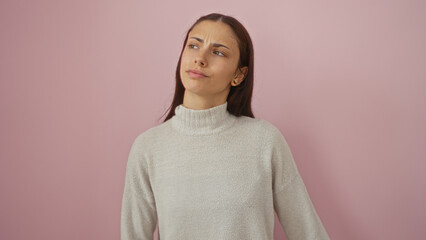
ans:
(214, 44)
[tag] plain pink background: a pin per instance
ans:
(345, 82)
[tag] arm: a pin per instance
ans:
(292, 203)
(138, 212)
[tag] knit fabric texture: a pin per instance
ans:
(207, 174)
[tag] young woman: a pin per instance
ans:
(211, 170)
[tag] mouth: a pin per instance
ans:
(196, 74)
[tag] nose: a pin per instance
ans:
(200, 59)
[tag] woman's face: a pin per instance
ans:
(211, 48)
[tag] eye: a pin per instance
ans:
(191, 45)
(220, 53)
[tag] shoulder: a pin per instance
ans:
(267, 131)
(152, 134)
(265, 126)
(271, 134)
(255, 123)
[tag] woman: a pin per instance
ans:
(211, 170)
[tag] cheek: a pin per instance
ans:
(186, 57)
(225, 70)
(183, 61)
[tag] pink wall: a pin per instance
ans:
(344, 81)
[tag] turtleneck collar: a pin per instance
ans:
(202, 122)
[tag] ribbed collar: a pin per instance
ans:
(202, 122)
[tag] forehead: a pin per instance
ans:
(217, 32)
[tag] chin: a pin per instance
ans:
(194, 87)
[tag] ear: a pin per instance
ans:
(240, 76)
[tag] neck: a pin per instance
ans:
(202, 121)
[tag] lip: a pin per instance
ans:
(196, 73)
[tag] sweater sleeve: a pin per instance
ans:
(138, 211)
(292, 203)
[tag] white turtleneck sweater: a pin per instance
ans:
(207, 174)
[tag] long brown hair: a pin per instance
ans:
(239, 97)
